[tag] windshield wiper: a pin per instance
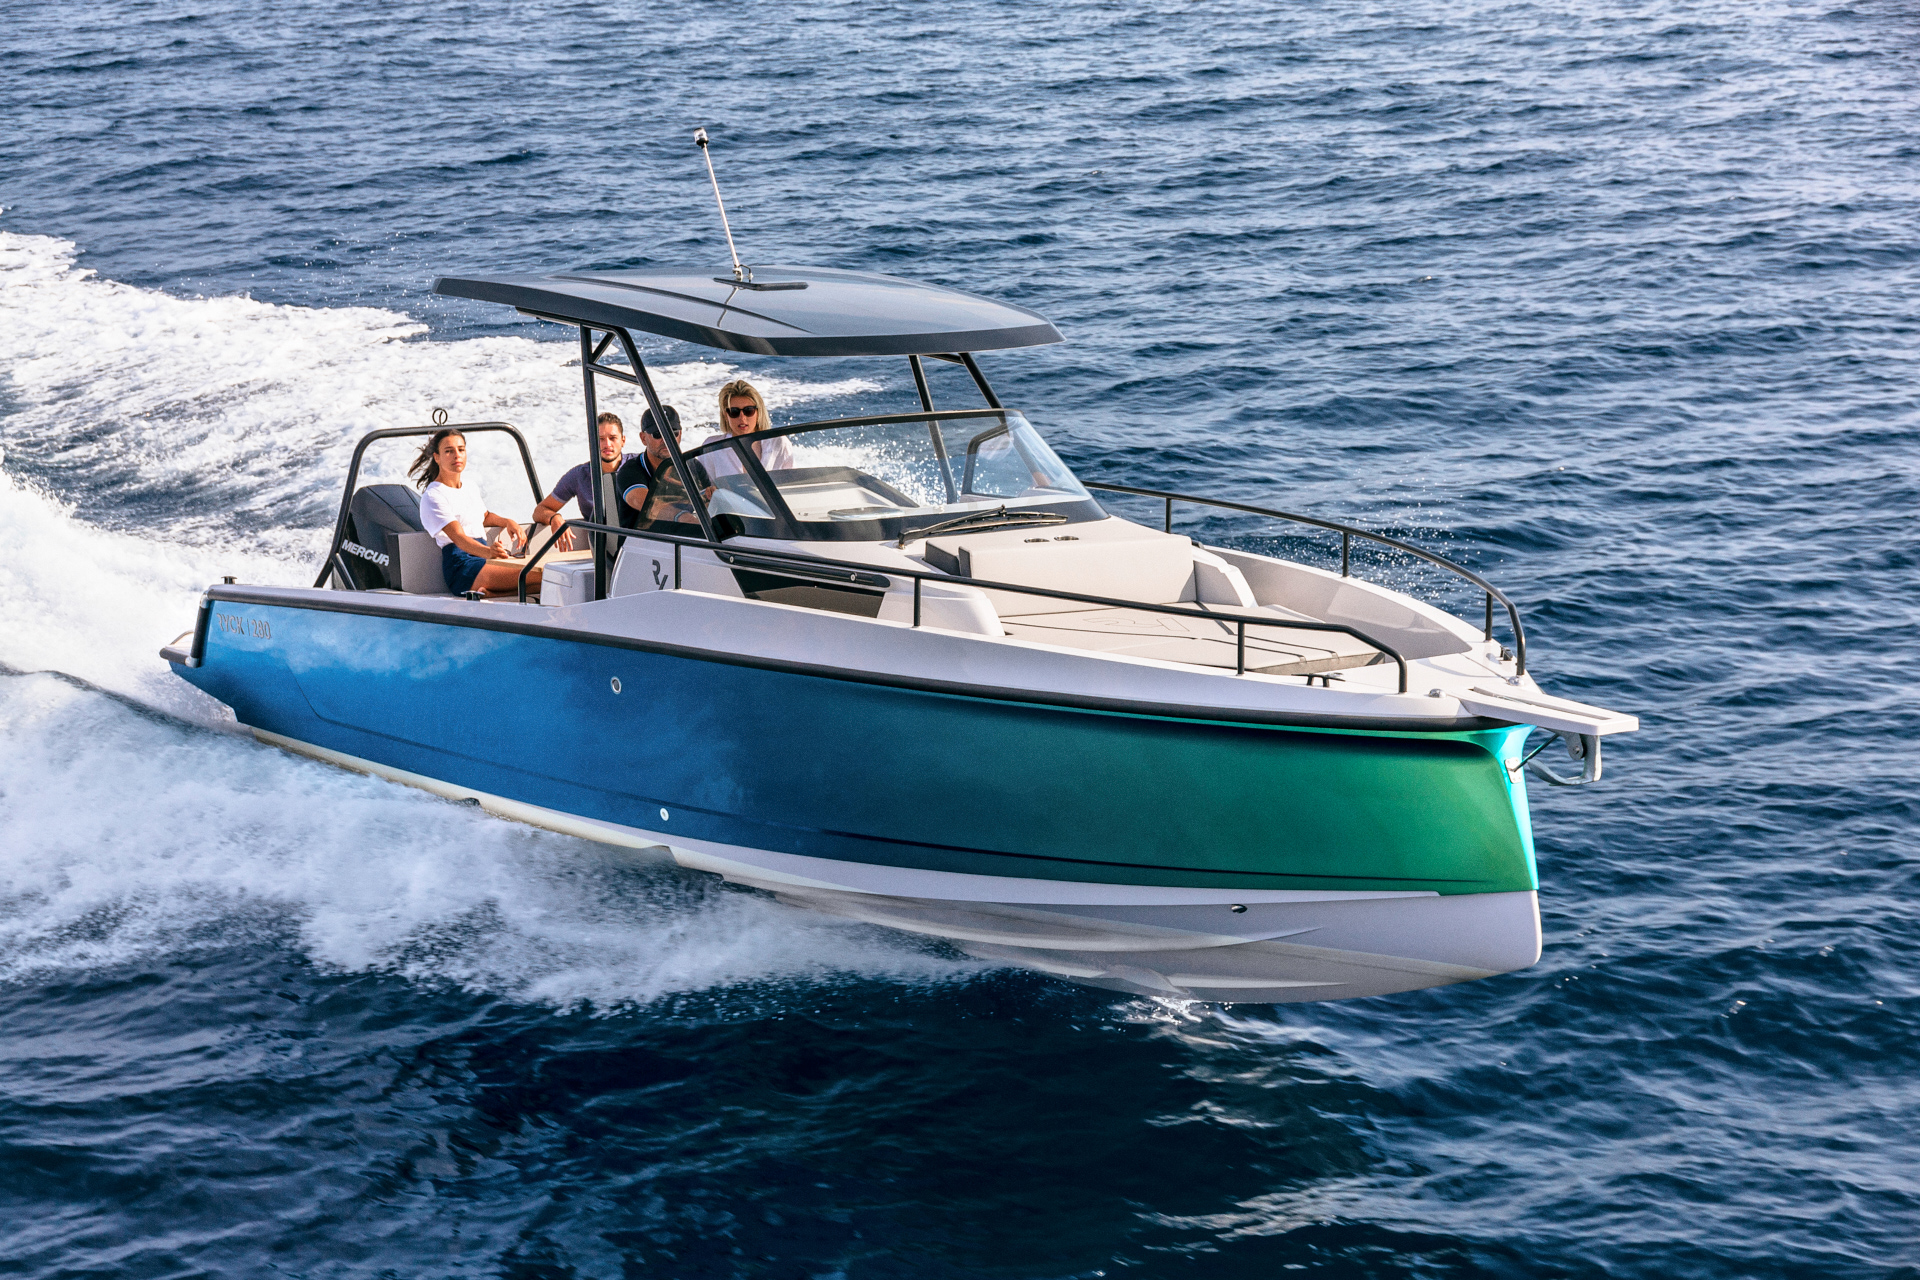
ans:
(983, 520)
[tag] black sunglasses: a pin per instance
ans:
(742, 411)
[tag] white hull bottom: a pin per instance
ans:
(1333, 950)
(1261, 946)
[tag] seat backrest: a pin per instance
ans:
(1111, 558)
(377, 515)
(417, 567)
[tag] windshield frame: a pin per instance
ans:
(785, 524)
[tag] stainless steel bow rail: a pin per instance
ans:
(1347, 534)
(850, 573)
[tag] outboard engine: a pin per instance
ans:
(378, 514)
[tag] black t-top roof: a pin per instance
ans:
(786, 311)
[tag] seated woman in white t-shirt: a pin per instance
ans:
(450, 506)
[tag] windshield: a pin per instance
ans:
(887, 477)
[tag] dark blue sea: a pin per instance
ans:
(1612, 301)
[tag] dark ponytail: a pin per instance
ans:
(426, 468)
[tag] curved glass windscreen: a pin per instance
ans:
(864, 479)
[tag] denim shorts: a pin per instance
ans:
(459, 568)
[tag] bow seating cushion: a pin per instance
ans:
(1111, 558)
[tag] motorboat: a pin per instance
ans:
(924, 677)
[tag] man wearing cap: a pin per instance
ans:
(651, 493)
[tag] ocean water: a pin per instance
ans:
(1612, 301)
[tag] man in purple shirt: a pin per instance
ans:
(577, 484)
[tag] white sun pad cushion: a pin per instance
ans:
(1123, 563)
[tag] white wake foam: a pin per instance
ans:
(129, 837)
(249, 411)
(124, 835)
(176, 440)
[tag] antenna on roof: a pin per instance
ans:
(740, 273)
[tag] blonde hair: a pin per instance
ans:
(741, 387)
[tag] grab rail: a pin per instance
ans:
(1347, 533)
(870, 575)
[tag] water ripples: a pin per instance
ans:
(1612, 305)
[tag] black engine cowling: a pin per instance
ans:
(378, 513)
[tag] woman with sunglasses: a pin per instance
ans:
(744, 410)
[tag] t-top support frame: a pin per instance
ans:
(605, 500)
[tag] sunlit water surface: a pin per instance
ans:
(1613, 303)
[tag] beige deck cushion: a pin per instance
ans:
(1111, 558)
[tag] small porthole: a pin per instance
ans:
(616, 684)
(663, 815)
(1066, 537)
(1036, 539)
(1239, 910)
